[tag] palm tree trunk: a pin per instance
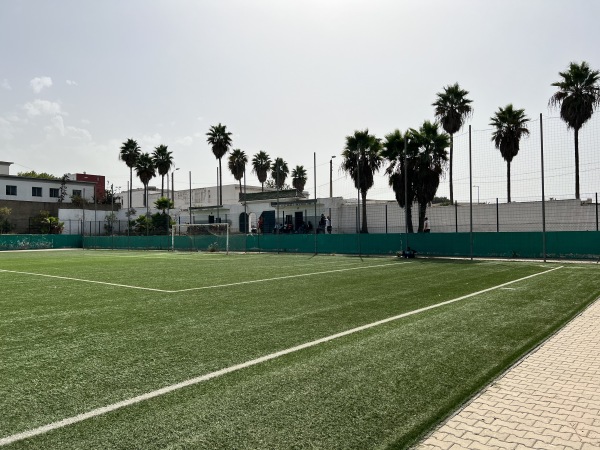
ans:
(162, 186)
(450, 168)
(508, 181)
(130, 186)
(577, 195)
(262, 186)
(409, 218)
(422, 211)
(364, 228)
(220, 199)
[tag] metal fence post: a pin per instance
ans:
(497, 217)
(596, 211)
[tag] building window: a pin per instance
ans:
(76, 192)
(36, 191)
(54, 193)
(11, 190)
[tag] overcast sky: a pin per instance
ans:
(77, 78)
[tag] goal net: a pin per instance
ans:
(205, 237)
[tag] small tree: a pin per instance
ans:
(109, 226)
(163, 204)
(63, 188)
(49, 224)
(5, 225)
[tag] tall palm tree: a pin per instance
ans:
(279, 172)
(163, 161)
(237, 165)
(261, 163)
(299, 178)
(220, 140)
(429, 165)
(400, 170)
(362, 158)
(452, 109)
(510, 125)
(145, 170)
(130, 152)
(578, 96)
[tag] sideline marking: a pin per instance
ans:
(202, 287)
(167, 389)
(83, 281)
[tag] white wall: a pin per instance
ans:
(24, 189)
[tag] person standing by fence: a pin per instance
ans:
(426, 226)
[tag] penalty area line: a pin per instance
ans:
(192, 381)
(166, 291)
(85, 281)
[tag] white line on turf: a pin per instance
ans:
(201, 287)
(84, 281)
(192, 381)
(284, 277)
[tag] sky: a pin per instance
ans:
(292, 78)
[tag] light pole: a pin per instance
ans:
(173, 185)
(331, 177)
(477, 193)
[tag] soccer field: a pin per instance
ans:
(148, 350)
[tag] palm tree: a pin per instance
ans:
(163, 161)
(261, 163)
(279, 172)
(130, 152)
(400, 166)
(452, 108)
(145, 170)
(509, 127)
(299, 178)
(220, 140)
(237, 165)
(362, 158)
(578, 96)
(431, 157)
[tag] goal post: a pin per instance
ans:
(209, 237)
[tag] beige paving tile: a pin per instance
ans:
(549, 400)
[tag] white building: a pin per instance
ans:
(24, 189)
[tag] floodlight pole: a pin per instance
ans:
(543, 193)
(331, 177)
(470, 197)
(406, 187)
(315, 187)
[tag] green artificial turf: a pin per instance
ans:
(68, 346)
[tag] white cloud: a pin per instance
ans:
(186, 141)
(85, 121)
(70, 132)
(7, 129)
(72, 83)
(59, 124)
(147, 143)
(5, 84)
(39, 83)
(39, 107)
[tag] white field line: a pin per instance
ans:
(201, 287)
(192, 381)
(285, 277)
(83, 281)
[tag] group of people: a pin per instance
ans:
(324, 224)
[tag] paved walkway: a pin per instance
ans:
(549, 400)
